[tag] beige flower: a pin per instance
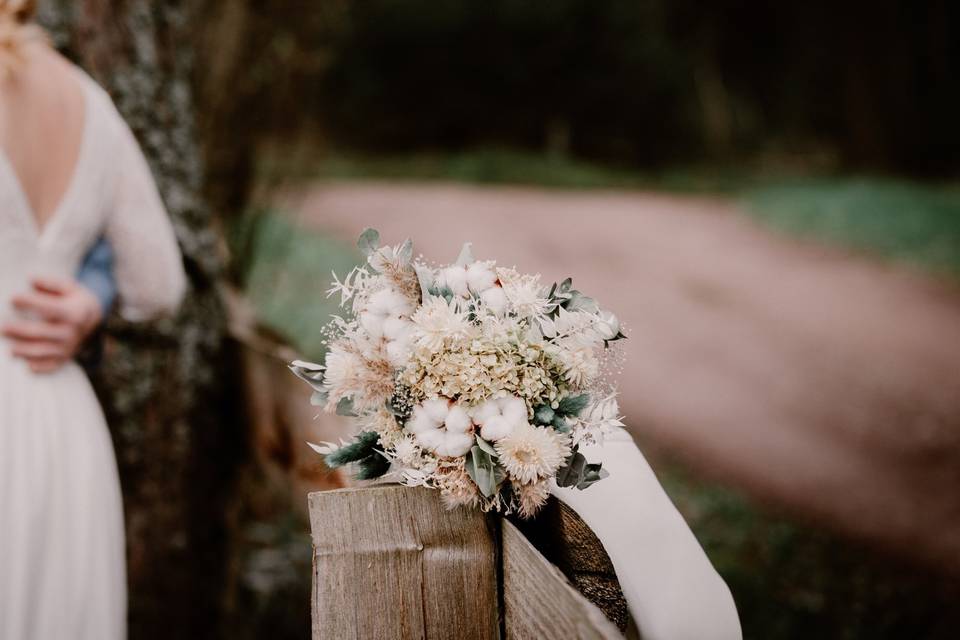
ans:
(532, 453)
(531, 497)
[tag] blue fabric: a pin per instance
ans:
(96, 274)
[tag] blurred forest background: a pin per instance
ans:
(730, 128)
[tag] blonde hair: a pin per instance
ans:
(16, 30)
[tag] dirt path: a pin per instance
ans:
(817, 380)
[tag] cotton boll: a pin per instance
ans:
(420, 421)
(455, 279)
(437, 409)
(395, 328)
(480, 277)
(455, 445)
(485, 411)
(514, 410)
(388, 302)
(372, 324)
(495, 300)
(495, 428)
(398, 352)
(458, 420)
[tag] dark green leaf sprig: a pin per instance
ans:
(364, 452)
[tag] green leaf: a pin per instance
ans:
(543, 415)
(345, 408)
(369, 241)
(363, 446)
(592, 473)
(373, 466)
(484, 471)
(573, 405)
(406, 251)
(312, 376)
(571, 473)
(580, 302)
(486, 446)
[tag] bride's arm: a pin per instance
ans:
(673, 591)
(148, 266)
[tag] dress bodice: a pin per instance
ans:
(111, 192)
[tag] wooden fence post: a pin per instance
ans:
(390, 562)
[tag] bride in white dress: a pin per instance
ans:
(70, 171)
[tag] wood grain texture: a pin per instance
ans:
(539, 602)
(391, 562)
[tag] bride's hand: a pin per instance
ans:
(59, 316)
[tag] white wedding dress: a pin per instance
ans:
(62, 566)
(672, 590)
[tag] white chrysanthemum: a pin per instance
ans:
(442, 427)
(525, 294)
(406, 451)
(532, 453)
(342, 370)
(435, 321)
(499, 417)
(580, 364)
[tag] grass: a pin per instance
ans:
(793, 581)
(904, 221)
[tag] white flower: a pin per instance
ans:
(580, 364)
(435, 321)
(442, 427)
(532, 453)
(495, 300)
(498, 418)
(342, 370)
(598, 419)
(406, 451)
(464, 280)
(480, 277)
(609, 325)
(525, 293)
(381, 306)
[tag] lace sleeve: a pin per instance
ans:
(148, 266)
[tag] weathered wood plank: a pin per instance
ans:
(390, 562)
(539, 602)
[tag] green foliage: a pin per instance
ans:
(577, 472)
(363, 446)
(793, 581)
(285, 272)
(484, 470)
(571, 406)
(901, 220)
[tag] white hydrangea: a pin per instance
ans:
(499, 417)
(442, 427)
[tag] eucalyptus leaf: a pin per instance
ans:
(310, 373)
(406, 251)
(484, 471)
(318, 398)
(369, 241)
(345, 408)
(592, 473)
(580, 302)
(425, 277)
(573, 405)
(486, 446)
(571, 473)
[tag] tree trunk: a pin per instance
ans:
(166, 388)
